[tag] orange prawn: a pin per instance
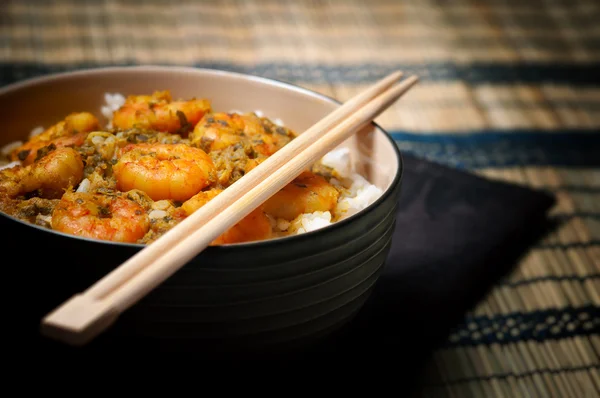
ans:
(113, 218)
(255, 226)
(160, 112)
(71, 131)
(307, 193)
(50, 176)
(163, 171)
(217, 131)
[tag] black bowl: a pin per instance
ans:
(269, 295)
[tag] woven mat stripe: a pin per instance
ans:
(550, 278)
(218, 54)
(25, 47)
(574, 188)
(577, 22)
(403, 16)
(532, 300)
(18, 27)
(505, 6)
(458, 106)
(510, 95)
(594, 244)
(220, 50)
(301, 72)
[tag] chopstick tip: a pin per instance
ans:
(409, 81)
(395, 76)
(413, 79)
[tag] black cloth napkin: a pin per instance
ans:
(456, 235)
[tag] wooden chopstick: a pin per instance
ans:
(88, 314)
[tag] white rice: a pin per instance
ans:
(357, 193)
(10, 165)
(112, 103)
(36, 131)
(161, 205)
(310, 222)
(7, 149)
(84, 185)
(361, 194)
(157, 214)
(339, 160)
(259, 113)
(5, 153)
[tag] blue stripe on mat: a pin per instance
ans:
(477, 73)
(520, 136)
(515, 4)
(541, 325)
(497, 148)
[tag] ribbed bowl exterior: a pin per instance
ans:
(232, 298)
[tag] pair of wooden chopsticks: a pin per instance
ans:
(88, 314)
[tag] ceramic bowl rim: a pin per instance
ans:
(95, 71)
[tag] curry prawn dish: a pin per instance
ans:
(155, 161)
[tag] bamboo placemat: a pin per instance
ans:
(509, 90)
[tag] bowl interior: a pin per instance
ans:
(47, 100)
